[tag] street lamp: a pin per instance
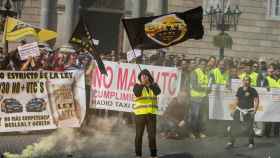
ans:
(7, 12)
(18, 6)
(223, 19)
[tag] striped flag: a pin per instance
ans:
(16, 30)
(83, 38)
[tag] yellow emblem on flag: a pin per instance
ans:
(16, 30)
(166, 30)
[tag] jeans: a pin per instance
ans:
(196, 117)
(247, 124)
(142, 121)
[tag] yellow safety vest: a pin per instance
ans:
(219, 77)
(278, 81)
(241, 76)
(272, 83)
(202, 80)
(146, 104)
(253, 76)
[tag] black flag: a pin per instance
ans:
(82, 37)
(165, 30)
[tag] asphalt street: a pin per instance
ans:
(119, 144)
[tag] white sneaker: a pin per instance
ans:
(201, 135)
(192, 136)
(251, 146)
(229, 145)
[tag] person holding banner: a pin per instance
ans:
(271, 81)
(247, 101)
(145, 110)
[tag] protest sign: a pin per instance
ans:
(28, 50)
(133, 54)
(41, 100)
(222, 102)
(114, 92)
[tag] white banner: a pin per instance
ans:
(222, 103)
(114, 92)
(41, 100)
(28, 50)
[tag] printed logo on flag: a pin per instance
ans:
(166, 30)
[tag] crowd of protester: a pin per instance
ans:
(177, 119)
(175, 122)
(63, 58)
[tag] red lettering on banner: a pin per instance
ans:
(125, 97)
(96, 79)
(156, 77)
(112, 94)
(107, 94)
(122, 78)
(108, 83)
(172, 92)
(164, 75)
(99, 80)
(132, 80)
(104, 94)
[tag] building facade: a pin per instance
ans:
(257, 34)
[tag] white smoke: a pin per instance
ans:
(68, 141)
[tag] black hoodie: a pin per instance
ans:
(137, 89)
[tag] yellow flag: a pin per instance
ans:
(16, 30)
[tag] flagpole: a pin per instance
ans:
(5, 42)
(131, 44)
(136, 58)
(93, 46)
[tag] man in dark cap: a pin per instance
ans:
(145, 110)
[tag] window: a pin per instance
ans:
(273, 9)
(207, 4)
(108, 4)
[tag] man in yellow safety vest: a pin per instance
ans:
(219, 75)
(248, 71)
(199, 94)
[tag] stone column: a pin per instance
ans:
(138, 9)
(71, 15)
(48, 14)
(162, 7)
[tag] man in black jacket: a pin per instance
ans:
(145, 110)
